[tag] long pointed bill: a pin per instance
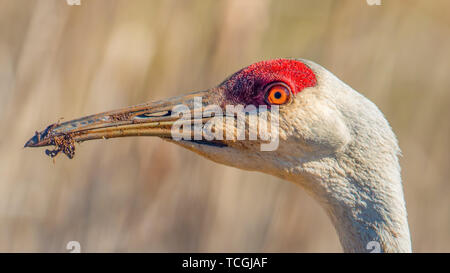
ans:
(149, 119)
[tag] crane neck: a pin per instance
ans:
(367, 207)
(371, 225)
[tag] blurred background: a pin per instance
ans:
(144, 194)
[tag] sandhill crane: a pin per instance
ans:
(333, 142)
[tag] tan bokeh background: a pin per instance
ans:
(144, 194)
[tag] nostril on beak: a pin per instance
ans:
(155, 115)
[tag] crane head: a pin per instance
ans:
(323, 135)
(304, 95)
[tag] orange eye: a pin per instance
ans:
(278, 93)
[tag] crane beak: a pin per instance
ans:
(149, 119)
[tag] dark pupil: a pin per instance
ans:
(277, 95)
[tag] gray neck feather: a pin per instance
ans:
(367, 209)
